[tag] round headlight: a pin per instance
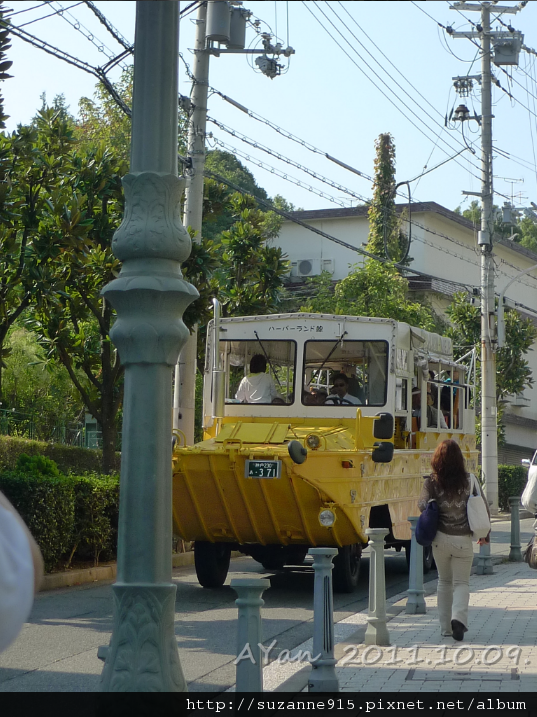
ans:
(327, 518)
(313, 441)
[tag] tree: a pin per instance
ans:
(71, 318)
(513, 373)
(374, 289)
(38, 387)
(386, 238)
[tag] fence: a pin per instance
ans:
(24, 425)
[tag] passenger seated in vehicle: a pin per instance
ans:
(258, 386)
(435, 419)
(309, 399)
(320, 396)
(340, 394)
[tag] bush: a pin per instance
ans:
(47, 505)
(96, 515)
(511, 481)
(37, 465)
(69, 458)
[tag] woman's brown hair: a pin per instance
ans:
(449, 469)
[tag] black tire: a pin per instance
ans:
(347, 568)
(428, 560)
(212, 563)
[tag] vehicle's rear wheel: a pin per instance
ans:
(428, 559)
(212, 563)
(347, 568)
(273, 557)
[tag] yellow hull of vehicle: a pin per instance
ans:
(213, 500)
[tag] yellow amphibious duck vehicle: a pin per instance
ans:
(334, 441)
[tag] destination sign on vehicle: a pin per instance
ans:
(263, 469)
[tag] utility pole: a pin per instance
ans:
(185, 372)
(220, 30)
(489, 425)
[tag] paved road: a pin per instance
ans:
(57, 650)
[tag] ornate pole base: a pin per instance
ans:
(143, 654)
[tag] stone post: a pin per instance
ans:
(484, 561)
(415, 605)
(150, 297)
(323, 668)
(515, 554)
(249, 634)
(377, 632)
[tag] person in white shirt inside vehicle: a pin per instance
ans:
(340, 394)
(258, 386)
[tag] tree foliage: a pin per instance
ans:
(513, 373)
(374, 289)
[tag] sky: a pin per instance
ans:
(359, 70)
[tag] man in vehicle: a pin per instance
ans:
(340, 393)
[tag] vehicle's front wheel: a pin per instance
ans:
(211, 561)
(347, 568)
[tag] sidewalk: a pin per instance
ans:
(498, 654)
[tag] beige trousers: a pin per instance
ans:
(453, 555)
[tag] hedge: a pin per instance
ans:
(67, 514)
(511, 481)
(70, 459)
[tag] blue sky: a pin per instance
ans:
(329, 97)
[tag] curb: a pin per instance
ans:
(79, 577)
(71, 578)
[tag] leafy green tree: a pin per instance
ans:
(527, 233)
(72, 320)
(374, 289)
(38, 387)
(513, 373)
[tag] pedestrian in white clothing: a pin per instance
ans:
(21, 572)
(258, 386)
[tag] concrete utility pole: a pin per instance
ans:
(220, 30)
(185, 372)
(489, 427)
(150, 296)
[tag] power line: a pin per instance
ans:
(395, 104)
(44, 17)
(79, 64)
(281, 157)
(279, 173)
(108, 25)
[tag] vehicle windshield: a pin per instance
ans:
(260, 371)
(345, 373)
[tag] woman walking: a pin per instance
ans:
(450, 486)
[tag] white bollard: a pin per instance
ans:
(415, 605)
(377, 632)
(249, 675)
(323, 669)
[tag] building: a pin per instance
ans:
(444, 250)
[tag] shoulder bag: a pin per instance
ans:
(478, 517)
(530, 553)
(427, 524)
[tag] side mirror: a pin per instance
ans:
(383, 452)
(526, 462)
(383, 426)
